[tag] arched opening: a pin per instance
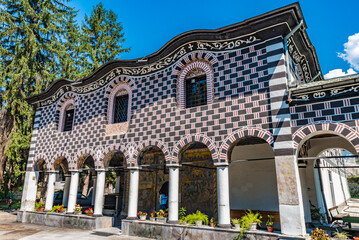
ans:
(62, 181)
(323, 174)
(115, 184)
(252, 178)
(85, 194)
(41, 179)
(198, 180)
(153, 179)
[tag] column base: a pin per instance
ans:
(173, 222)
(132, 218)
(224, 225)
(97, 215)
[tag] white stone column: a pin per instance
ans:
(173, 193)
(93, 190)
(303, 183)
(224, 218)
(50, 190)
(290, 198)
(100, 192)
(29, 192)
(65, 196)
(73, 191)
(133, 193)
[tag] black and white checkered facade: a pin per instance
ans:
(247, 93)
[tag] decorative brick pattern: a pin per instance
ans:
(181, 82)
(194, 138)
(327, 126)
(241, 133)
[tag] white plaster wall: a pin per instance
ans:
(253, 185)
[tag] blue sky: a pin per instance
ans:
(148, 25)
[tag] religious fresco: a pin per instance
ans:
(151, 180)
(198, 182)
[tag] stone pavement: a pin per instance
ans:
(12, 230)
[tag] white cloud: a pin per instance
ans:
(338, 73)
(351, 51)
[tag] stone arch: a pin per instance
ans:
(57, 157)
(186, 59)
(316, 128)
(240, 133)
(40, 160)
(195, 64)
(195, 138)
(154, 143)
(82, 155)
(108, 151)
(40, 157)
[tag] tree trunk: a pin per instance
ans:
(6, 126)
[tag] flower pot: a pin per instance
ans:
(211, 224)
(57, 211)
(270, 228)
(90, 214)
(198, 223)
(161, 219)
(77, 213)
(356, 238)
(142, 217)
(253, 227)
(41, 209)
(237, 227)
(152, 219)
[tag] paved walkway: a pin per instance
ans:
(12, 230)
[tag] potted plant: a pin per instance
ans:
(341, 235)
(161, 216)
(56, 208)
(198, 218)
(78, 209)
(212, 223)
(142, 215)
(182, 214)
(153, 216)
(236, 223)
(251, 220)
(40, 206)
(89, 212)
(269, 223)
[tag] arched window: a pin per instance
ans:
(195, 85)
(69, 118)
(119, 104)
(196, 88)
(120, 107)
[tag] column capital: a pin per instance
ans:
(133, 168)
(173, 165)
(221, 164)
(74, 171)
(51, 171)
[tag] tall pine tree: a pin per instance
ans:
(103, 36)
(32, 46)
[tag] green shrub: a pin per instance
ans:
(198, 216)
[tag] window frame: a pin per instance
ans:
(63, 111)
(201, 65)
(111, 103)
